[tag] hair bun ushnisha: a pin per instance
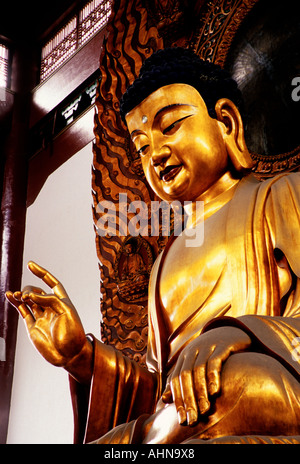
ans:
(181, 66)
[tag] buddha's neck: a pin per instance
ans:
(212, 199)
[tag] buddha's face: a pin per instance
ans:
(181, 147)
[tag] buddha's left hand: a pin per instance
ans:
(197, 374)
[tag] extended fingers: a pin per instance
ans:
(167, 394)
(193, 380)
(36, 299)
(22, 308)
(214, 367)
(200, 385)
(188, 395)
(43, 274)
(207, 375)
(177, 398)
(183, 392)
(24, 297)
(48, 278)
(46, 301)
(29, 289)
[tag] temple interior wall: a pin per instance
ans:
(59, 235)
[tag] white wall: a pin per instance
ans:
(59, 236)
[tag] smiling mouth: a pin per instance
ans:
(170, 172)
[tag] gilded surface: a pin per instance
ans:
(136, 29)
(222, 358)
(223, 319)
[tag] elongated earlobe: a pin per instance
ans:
(229, 115)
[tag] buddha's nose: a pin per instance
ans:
(160, 156)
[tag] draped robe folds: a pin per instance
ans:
(261, 217)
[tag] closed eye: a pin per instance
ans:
(174, 124)
(142, 149)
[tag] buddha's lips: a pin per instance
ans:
(170, 172)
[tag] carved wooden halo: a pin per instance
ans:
(219, 24)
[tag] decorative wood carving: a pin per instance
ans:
(136, 29)
(217, 27)
(219, 22)
(269, 166)
(117, 169)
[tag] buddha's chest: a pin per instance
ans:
(190, 273)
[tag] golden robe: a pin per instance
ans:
(259, 402)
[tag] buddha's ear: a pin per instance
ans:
(233, 133)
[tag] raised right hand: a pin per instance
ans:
(53, 325)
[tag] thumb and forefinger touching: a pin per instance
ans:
(36, 295)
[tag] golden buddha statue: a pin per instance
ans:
(223, 364)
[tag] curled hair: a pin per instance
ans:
(181, 66)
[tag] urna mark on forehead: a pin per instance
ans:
(173, 65)
(164, 100)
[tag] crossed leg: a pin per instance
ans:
(259, 403)
(258, 397)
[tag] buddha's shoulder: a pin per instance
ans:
(283, 181)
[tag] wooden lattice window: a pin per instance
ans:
(59, 48)
(80, 28)
(92, 18)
